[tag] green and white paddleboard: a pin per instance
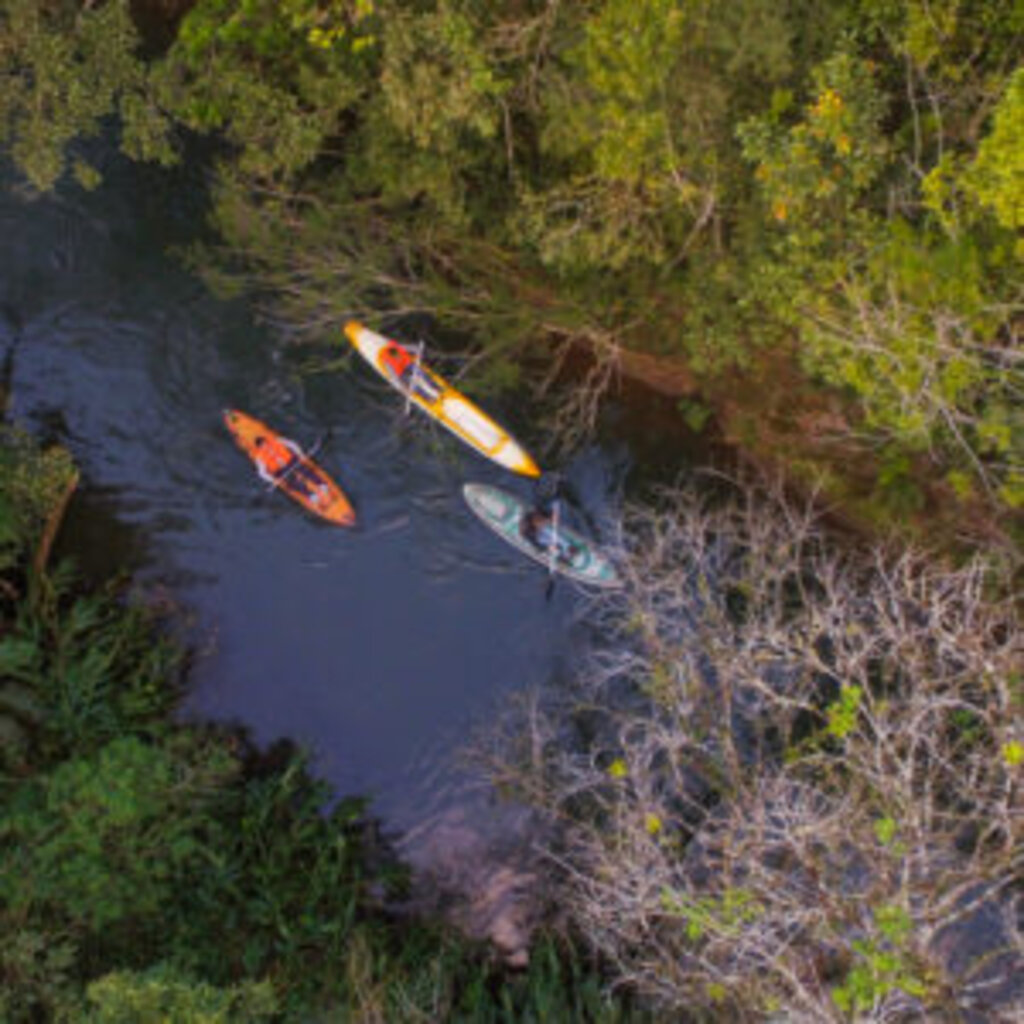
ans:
(504, 513)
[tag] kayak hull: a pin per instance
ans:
(504, 513)
(436, 397)
(307, 483)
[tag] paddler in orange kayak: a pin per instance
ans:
(276, 460)
(273, 457)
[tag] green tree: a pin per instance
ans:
(273, 78)
(92, 665)
(66, 67)
(105, 840)
(612, 117)
(908, 313)
(636, 118)
(430, 126)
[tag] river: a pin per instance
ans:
(380, 648)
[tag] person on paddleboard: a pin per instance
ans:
(538, 526)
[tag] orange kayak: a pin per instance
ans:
(284, 465)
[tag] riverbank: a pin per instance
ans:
(773, 418)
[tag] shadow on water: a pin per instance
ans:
(95, 538)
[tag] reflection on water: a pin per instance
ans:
(377, 647)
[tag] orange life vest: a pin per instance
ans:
(396, 359)
(273, 456)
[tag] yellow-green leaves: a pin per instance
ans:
(909, 313)
(996, 177)
(1013, 753)
(885, 830)
(430, 131)
(438, 81)
(86, 175)
(614, 112)
(842, 713)
(883, 963)
(161, 994)
(817, 167)
(929, 26)
(725, 913)
(274, 76)
(627, 56)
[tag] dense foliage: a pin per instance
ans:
(153, 871)
(835, 184)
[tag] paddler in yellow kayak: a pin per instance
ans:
(405, 372)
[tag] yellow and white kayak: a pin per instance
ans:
(401, 368)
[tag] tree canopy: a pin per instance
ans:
(839, 181)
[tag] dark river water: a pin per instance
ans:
(379, 648)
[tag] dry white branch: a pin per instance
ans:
(797, 789)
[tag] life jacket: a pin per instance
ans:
(396, 359)
(273, 456)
